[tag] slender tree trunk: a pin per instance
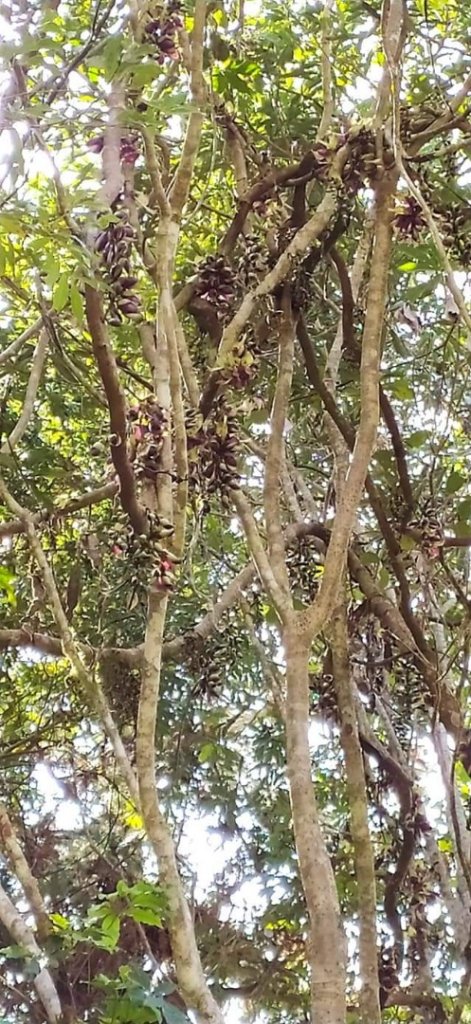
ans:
(326, 949)
(370, 1011)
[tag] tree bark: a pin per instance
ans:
(326, 947)
(370, 1010)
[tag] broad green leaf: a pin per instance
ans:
(172, 1015)
(112, 55)
(110, 927)
(60, 294)
(417, 438)
(455, 482)
(401, 389)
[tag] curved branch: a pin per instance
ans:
(106, 363)
(275, 447)
(37, 365)
(94, 497)
(22, 934)
(315, 616)
(18, 343)
(22, 870)
(303, 240)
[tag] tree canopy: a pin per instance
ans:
(235, 511)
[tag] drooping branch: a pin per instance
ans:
(106, 363)
(281, 599)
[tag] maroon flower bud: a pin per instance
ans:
(96, 144)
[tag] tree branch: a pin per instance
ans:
(106, 363)
(275, 449)
(23, 935)
(18, 343)
(180, 188)
(303, 239)
(316, 615)
(94, 497)
(37, 366)
(358, 803)
(22, 870)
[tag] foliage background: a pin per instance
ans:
(68, 824)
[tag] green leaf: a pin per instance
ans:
(112, 52)
(417, 438)
(145, 73)
(462, 529)
(408, 267)
(60, 294)
(110, 926)
(173, 1015)
(454, 482)
(145, 915)
(208, 753)
(401, 389)
(11, 224)
(51, 267)
(15, 952)
(60, 922)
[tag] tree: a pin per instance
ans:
(235, 512)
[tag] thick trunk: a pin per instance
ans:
(327, 941)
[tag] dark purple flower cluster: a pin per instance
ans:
(243, 366)
(410, 220)
(114, 246)
(128, 148)
(148, 427)
(216, 281)
(254, 261)
(212, 451)
(428, 522)
(162, 32)
(361, 165)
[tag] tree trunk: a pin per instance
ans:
(326, 948)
